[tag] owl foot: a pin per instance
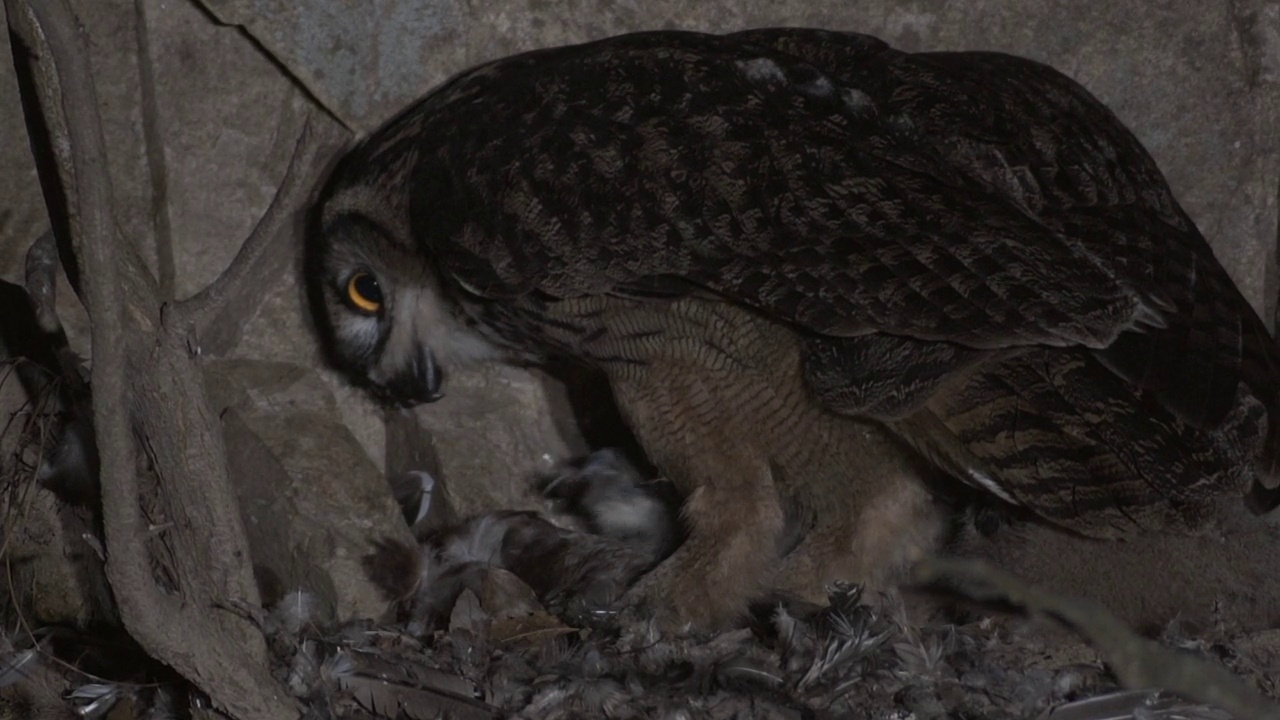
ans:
(688, 593)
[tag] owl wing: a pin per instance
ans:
(1042, 141)
(672, 158)
(1056, 432)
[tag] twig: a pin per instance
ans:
(210, 300)
(261, 259)
(1137, 662)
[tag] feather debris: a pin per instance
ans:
(979, 671)
(95, 700)
(18, 667)
(388, 699)
(1137, 662)
(1133, 705)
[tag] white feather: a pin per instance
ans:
(762, 70)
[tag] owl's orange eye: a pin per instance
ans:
(364, 293)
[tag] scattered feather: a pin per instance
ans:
(295, 611)
(1133, 705)
(163, 704)
(532, 629)
(426, 489)
(504, 595)
(391, 700)
(499, 651)
(396, 568)
(469, 615)
(18, 667)
(372, 665)
(94, 700)
(306, 667)
(338, 666)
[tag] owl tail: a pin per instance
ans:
(1210, 362)
(1260, 370)
(1066, 438)
(1263, 495)
(1261, 499)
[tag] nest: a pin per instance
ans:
(509, 614)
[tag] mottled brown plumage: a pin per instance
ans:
(812, 267)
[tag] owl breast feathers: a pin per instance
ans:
(801, 234)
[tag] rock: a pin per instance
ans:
(312, 500)
(495, 429)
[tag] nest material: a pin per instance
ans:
(501, 615)
(857, 658)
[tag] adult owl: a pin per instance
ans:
(818, 272)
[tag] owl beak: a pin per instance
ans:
(429, 377)
(434, 379)
(416, 383)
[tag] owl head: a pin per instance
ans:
(377, 301)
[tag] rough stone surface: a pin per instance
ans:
(313, 501)
(506, 421)
(228, 120)
(54, 576)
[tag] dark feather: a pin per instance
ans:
(1067, 438)
(601, 164)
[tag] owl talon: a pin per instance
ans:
(673, 604)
